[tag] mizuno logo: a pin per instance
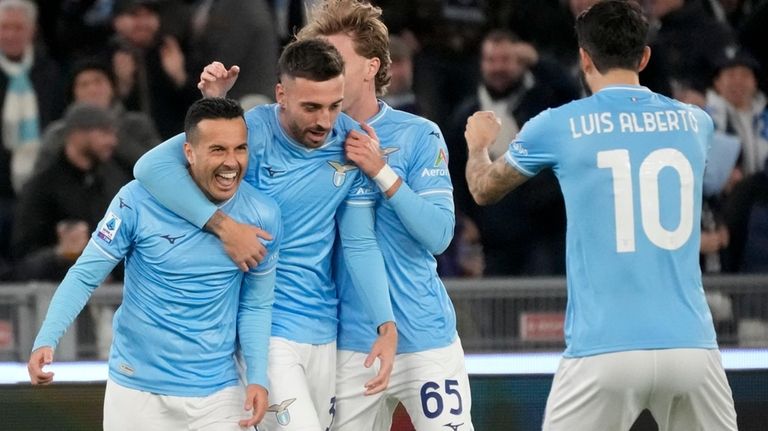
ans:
(452, 426)
(437, 135)
(171, 239)
(272, 172)
(123, 204)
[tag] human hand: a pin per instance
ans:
(363, 150)
(216, 80)
(256, 401)
(124, 68)
(481, 131)
(73, 236)
(240, 241)
(172, 59)
(385, 348)
(40, 358)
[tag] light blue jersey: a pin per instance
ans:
(314, 188)
(630, 164)
(185, 303)
(414, 224)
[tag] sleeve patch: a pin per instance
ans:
(110, 227)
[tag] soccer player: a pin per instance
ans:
(297, 157)
(630, 162)
(414, 221)
(185, 303)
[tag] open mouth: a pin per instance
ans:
(226, 179)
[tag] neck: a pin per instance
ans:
(365, 108)
(614, 77)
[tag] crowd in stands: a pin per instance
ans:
(88, 86)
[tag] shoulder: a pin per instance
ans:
(259, 114)
(257, 206)
(418, 127)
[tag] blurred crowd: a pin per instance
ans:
(87, 86)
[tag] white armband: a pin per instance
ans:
(386, 178)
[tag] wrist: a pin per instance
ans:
(386, 328)
(386, 178)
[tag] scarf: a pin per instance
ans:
(20, 117)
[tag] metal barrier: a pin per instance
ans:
(499, 315)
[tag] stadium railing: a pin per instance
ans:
(493, 315)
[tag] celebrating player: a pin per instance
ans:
(630, 162)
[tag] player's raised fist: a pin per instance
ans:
(482, 129)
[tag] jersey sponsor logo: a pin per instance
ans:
(434, 172)
(172, 239)
(274, 172)
(109, 228)
(441, 159)
(123, 204)
(281, 411)
(340, 171)
(454, 427)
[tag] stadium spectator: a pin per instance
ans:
(414, 221)
(187, 308)
(400, 93)
(687, 41)
(236, 32)
(29, 99)
(632, 273)
(525, 232)
(93, 83)
(62, 203)
(150, 68)
(737, 106)
(298, 158)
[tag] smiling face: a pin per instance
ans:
(218, 156)
(308, 109)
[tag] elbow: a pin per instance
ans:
(440, 242)
(482, 198)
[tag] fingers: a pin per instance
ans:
(370, 131)
(263, 234)
(380, 382)
(39, 359)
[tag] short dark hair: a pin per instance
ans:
(88, 64)
(314, 59)
(83, 116)
(209, 109)
(614, 33)
(498, 35)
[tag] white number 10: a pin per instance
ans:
(619, 164)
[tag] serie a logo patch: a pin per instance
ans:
(109, 228)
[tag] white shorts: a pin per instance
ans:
(127, 409)
(432, 385)
(301, 386)
(684, 389)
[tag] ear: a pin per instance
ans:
(280, 95)
(189, 154)
(644, 59)
(587, 66)
(374, 64)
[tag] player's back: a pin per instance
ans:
(630, 163)
(309, 185)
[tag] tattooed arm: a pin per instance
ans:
(488, 181)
